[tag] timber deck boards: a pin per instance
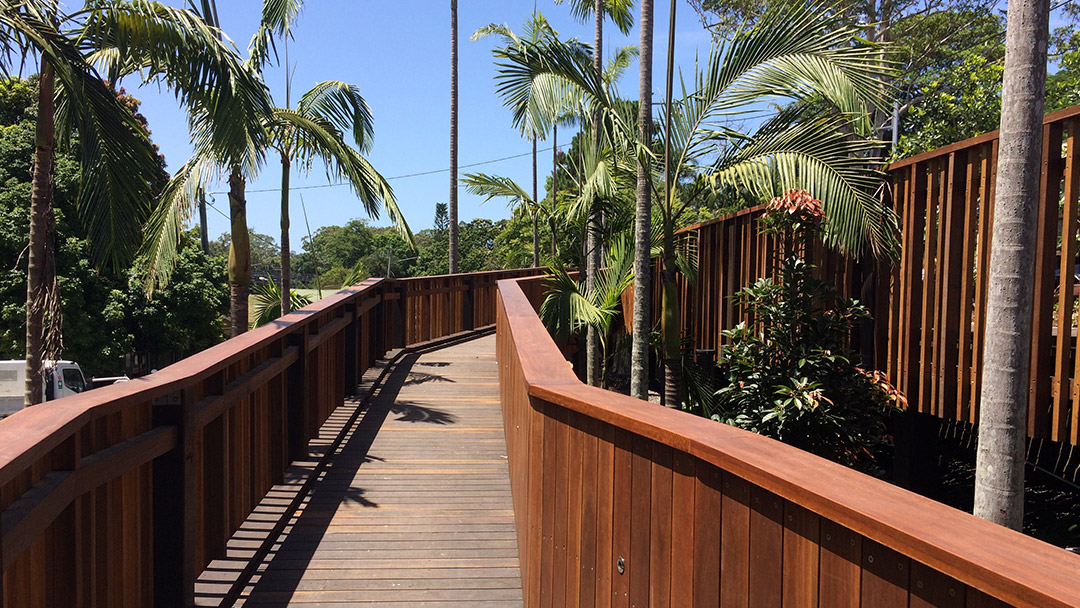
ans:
(411, 509)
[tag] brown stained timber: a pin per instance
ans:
(122, 495)
(770, 524)
(929, 304)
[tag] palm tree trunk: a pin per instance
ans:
(669, 318)
(642, 322)
(554, 179)
(535, 211)
(239, 254)
(286, 261)
(41, 199)
(592, 260)
(453, 211)
(999, 467)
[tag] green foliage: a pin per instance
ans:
(107, 318)
(265, 253)
(268, 302)
(789, 374)
(571, 307)
(952, 86)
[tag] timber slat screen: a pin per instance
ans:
(120, 496)
(930, 306)
(624, 503)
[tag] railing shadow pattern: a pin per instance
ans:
(122, 495)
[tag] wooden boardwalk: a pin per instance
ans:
(410, 506)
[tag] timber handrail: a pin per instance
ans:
(120, 496)
(541, 395)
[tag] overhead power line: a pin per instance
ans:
(406, 176)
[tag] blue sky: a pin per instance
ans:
(398, 54)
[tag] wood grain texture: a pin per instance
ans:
(414, 504)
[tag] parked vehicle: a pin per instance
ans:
(62, 378)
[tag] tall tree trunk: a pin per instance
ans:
(453, 211)
(286, 259)
(535, 211)
(239, 254)
(554, 181)
(999, 468)
(204, 236)
(642, 322)
(38, 281)
(592, 260)
(670, 322)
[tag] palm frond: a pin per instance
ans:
(819, 156)
(620, 12)
(268, 302)
(311, 137)
(227, 102)
(342, 105)
(620, 61)
(277, 18)
(160, 243)
(495, 186)
(117, 158)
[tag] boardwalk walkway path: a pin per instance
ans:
(410, 508)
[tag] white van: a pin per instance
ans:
(62, 378)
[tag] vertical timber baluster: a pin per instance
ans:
(299, 396)
(468, 317)
(352, 328)
(174, 507)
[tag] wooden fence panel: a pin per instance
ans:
(929, 306)
(692, 513)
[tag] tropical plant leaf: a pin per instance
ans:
(268, 302)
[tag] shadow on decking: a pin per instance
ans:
(295, 515)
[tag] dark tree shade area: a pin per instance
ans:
(109, 325)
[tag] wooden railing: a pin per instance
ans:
(120, 496)
(619, 502)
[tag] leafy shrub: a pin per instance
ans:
(789, 373)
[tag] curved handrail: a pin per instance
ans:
(995, 560)
(32, 431)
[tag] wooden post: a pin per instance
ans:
(299, 397)
(351, 342)
(468, 318)
(174, 507)
(400, 335)
(377, 318)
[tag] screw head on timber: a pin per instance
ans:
(621, 565)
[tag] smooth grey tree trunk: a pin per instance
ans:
(592, 256)
(642, 322)
(286, 255)
(535, 211)
(41, 199)
(554, 179)
(453, 206)
(999, 469)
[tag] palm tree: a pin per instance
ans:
(620, 13)
(167, 44)
(642, 322)
(315, 129)
(818, 141)
(999, 466)
(529, 113)
(453, 253)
